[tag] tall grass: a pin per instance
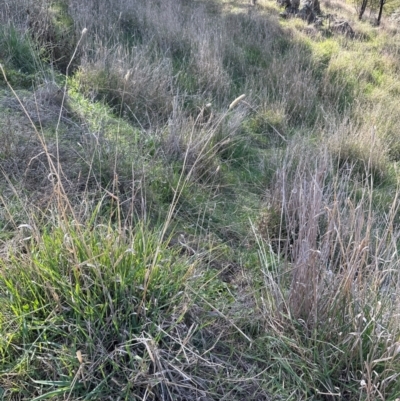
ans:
(335, 284)
(130, 267)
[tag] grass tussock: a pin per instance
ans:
(335, 282)
(197, 201)
(59, 280)
(139, 90)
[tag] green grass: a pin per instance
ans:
(61, 301)
(18, 50)
(158, 243)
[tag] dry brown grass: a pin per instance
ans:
(339, 266)
(307, 308)
(135, 88)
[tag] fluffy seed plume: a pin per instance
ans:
(127, 75)
(236, 101)
(79, 356)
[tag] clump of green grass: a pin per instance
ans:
(87, 289)
(363, 153)
(267, 126)
(52, 28)
(19, 55)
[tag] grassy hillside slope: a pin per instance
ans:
(198, 201)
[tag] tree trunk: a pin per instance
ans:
(362, 9)
(381, 4)
(316, 7)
